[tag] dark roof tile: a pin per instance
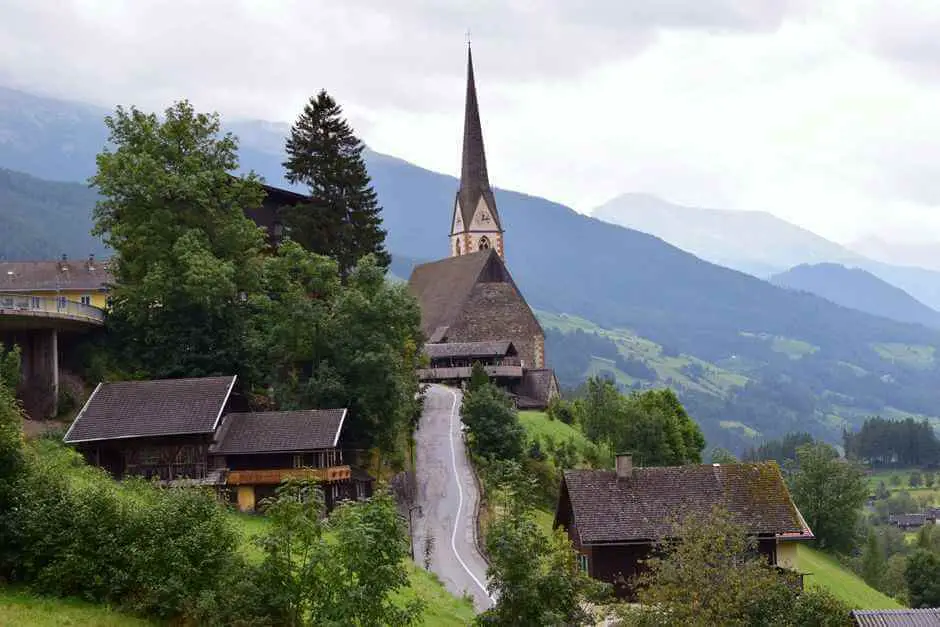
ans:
(924, 617)
(278, 431)
(496, 348)
(127, 409)
(88, 275)
(645, 505)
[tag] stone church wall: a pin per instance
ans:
(496, 311)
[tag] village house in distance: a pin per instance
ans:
(471, 309)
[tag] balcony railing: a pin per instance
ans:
(274, 476)
(54, 306)
(464, 372)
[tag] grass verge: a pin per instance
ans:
(825, 572)
(26, 610)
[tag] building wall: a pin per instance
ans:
(787, 555)
(496, 311)
(97, 298)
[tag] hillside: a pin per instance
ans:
(750, 359)
(857, 289)
(755, 242)
(42, 219)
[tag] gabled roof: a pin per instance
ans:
(474, 181)
(442, 287)
(131, 409)
(279, 431)
(84, 274)
(924, 617)
(644, 506)
(496, 348)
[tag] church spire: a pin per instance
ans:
(476, 222)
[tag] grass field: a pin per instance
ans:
(826, 573)
(25, 610)
(537, 424)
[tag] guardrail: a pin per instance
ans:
(59, 306)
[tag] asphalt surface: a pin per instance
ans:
(447, 498)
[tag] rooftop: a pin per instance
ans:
(278, 431)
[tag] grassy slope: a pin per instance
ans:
(538, 425)
(825, 572)
(25, 610)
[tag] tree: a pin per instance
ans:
(533, 576)
(830, 493)
(342, 219)
(710, 575)
(882, 492)
(916, 479)
(929, 478)
(478, 377)
(11, 439)
(493, 425)
(895, 480)
(922, 575)
(184, 251)
(310, 578)
(723, 456)
(873, 560)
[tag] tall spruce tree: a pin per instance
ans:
(342, 219)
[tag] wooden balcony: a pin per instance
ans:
(463, 372)
(275, 476)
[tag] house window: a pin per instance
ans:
(35, 302)
(484, 243)
(63, 302)
(85, 299)
(298, 461)
(583, 563)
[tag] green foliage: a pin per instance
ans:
(780, 450)
(873, 561)
(74, 532)
(652, 425)
(881, 491)
(922, 575)
(905, 442)
(11, 443)
(342, 570)
(711, 576)
(892, 578)
(561, 410)
(343, 218)
(830, 493)
(478, 377)
(183, 249)
(916, 479)
(930, 478)
(492, 424)
(533, 576)
(723, 456)
(895, 480)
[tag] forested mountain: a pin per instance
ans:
(858, 289)
(750, 359)
(41, 219)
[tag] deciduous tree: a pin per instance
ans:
(493, 425)
(922, 575)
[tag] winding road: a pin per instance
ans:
(447, 498)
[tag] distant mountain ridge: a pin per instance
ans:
(787, 360)
(755, 242)
(858, 289)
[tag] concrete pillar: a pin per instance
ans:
(54, 365)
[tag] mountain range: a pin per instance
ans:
(750, 359)
(756, 242)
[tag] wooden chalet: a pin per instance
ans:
(177, 431)
(615, 519)
(269, 215)
(471, 309)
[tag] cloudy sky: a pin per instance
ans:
(824, 113)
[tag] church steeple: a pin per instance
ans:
(475, 225)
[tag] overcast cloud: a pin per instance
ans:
(825, 113)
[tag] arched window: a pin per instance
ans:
(484, 243)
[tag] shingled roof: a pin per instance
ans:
(130, 409)
(496, 348)
(442, 287)
(924, 617)
(86, 274)
(474, 181)
(278, 431)
(644, 505)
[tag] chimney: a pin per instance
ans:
(624, 466)
(64, 264)
(91, 262)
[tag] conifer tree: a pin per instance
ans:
(342, 219)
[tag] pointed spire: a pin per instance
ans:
(474, 181)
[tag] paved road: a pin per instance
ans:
(447, 498)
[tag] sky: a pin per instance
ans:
(826, 114)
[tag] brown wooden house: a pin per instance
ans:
(270, 216)
(615, 519)
(178, 431)
(260, 450)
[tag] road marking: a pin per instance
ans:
(453, 459)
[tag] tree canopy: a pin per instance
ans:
(902, 442)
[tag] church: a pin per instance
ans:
(471, 309)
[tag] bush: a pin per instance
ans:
(75, 532)
(561, 411)
(492, 424)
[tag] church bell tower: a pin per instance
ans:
(475, 225)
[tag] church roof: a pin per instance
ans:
(474, 181)
(442, 287)
(493, 348)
